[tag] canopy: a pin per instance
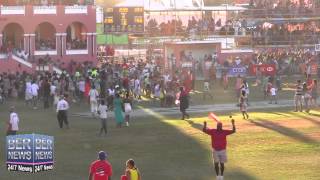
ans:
(163, 5)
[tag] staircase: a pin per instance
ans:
(14, 64)
(21, 61)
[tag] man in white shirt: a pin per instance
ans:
(34, 90)
(62, 109)
(28, 93)
(102, 111)
(13, 123)
(93, 95)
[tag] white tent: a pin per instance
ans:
(164, 5)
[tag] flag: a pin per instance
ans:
(214, 117)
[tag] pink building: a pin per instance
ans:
(28, 33)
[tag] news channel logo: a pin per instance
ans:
(30, 153)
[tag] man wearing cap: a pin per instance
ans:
(62, 108)
(100, 169)
(219, 144)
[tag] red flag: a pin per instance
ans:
(214, 117)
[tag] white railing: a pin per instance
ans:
(77, 52)
(57, 70)
(44, 10)
(20, 60)
(3, 56)
(12, 10)
(43, 53)
(76, 9)
(43, 68)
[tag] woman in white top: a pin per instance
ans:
(127, 102)
(28, 93)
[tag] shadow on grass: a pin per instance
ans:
(195, 125)
(283, 130)
(281, 114)
(311, 119)
(161, 150)
(239, 174)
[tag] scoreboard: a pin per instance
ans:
(124, 19)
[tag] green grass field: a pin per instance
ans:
(274, 144)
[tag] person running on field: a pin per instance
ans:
(243, 104)
(93, 97)
(103, 112)
(127, 103)
(132, 172)
(118, 110)
(13, 124)
(184, 103)
(62, 110)
(219, 145)
(298, 96)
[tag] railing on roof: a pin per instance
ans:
(12, 10)
(43, 10)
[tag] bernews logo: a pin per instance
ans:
(30, 153)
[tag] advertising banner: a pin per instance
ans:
(30, 153)
(238, 70)
(265, 69)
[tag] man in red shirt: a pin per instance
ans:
(219, 144)
(100, 169)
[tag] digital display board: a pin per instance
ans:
(124, 19)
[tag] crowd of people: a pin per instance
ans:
(174, 27)
(292, 61)
(112, 82)
(77, 44)
(45, 44)
(286, 34)
(275, 8)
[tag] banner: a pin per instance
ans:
(30, 153)
(186, 65)
(239, 70)
(265, 69)
(314, 69)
